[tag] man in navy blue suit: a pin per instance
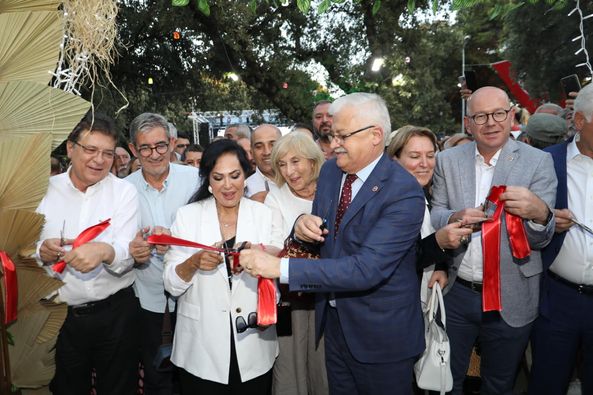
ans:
(368, 298)
(565, 324)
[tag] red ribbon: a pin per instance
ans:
(85, 236)
(491, 300)
(10, 288)
(266, 290)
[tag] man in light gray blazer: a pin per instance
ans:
(462, 180)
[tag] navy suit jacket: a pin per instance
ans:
(550, 252)
(370, 265)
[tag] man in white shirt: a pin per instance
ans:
(162, 188)
(462, 179)
(100, 330)
(565, 324)
(262, 142)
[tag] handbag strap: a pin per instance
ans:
(437, 303)
(167, 333)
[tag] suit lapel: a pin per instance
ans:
(506, 160)
(371, 186)
(467, 171)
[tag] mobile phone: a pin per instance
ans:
(461, 80)
(570, 83)
(471, 81)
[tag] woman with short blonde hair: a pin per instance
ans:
(300, 366)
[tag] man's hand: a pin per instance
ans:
(522, 202)
(452, 235)
(468, 216)
(139, 248)
(258, 263)
(563, 220)
(161, 249)
(88, 256)
(465, 93)
(307, 228)
(51, 251)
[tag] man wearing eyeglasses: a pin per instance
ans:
(162, 188)
(366, 219)
(101, 326)
(462, 180)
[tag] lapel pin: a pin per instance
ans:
(375, 188)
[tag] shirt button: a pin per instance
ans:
(238, 310)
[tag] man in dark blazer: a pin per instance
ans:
(368, 304)
(565, 324)
(462, 179)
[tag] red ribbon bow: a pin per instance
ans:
(491, 248)
(85, 236)
(266, 290)
(10, 288)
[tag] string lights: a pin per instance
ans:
(581, 37)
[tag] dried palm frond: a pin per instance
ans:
(23, 186)
(31, 363)
(34, 283)
(57, 315)
(20, 229)
(28, 5)
(30, 44)
(28, 108)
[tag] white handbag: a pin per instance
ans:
(433, 369)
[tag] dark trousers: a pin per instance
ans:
(103, 338)
(501, 345)
(557, 338)
(192, 385)
(347, 376)
(155, 383)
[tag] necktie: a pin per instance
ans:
(345, 199)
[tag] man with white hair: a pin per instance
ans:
(366, 219)
(565, 324)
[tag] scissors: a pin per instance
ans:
(62, 239)
(581, 225)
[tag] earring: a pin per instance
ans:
(209, 188)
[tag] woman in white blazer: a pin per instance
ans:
(217, 344)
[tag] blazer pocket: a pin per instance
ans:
(189, 310)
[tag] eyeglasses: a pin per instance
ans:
(107, 154)
(341, 138)
(242, 326)
(182, 145)
(482, 117)
(145, 150)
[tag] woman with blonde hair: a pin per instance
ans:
(300, 367)
(415, 148)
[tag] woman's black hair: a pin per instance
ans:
(209, 158)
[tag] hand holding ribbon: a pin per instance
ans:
(266, 290)
(87, 235)
(520, 249)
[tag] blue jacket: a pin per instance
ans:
(370, 265)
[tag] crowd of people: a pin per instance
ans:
(355, 224)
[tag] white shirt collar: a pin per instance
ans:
(480, 157)
(572, 150)
(366, 171)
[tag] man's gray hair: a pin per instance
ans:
(367, 106)
(145, 123)
(172, 130)
(242, 130)
(584, 102)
